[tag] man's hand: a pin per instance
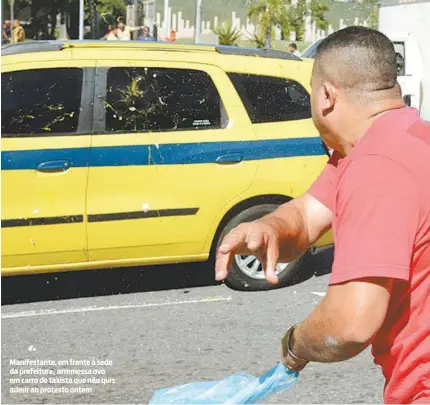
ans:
(260, 238)
(283, 236)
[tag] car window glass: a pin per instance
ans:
(41, 101)
(272, 99)
(399, 47)
(160, 99)
(312, 50)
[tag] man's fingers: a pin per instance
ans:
(271, 260)
(232, 241)
(246, 239)
(254, 240)
(223, 262)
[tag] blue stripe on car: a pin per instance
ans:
(163, 154)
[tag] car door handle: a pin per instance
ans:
(54, 166)
(230, 158)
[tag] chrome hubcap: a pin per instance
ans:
(252, 267)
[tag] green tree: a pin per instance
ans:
(288, 17)
(318, 11)
(110, 10)
(227, 34)
(372, 7)
(297, 17)
(268, 14)
(259, 39)
(99, 14)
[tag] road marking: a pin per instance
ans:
(320, 294)
(109, 308)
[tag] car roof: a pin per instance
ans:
(231, 59)
(57, 46)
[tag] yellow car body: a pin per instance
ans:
(137, 198)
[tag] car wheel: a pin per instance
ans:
(246, 272)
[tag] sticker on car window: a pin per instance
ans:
(201, 123)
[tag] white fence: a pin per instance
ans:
(185, 28)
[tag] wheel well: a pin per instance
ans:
(242, 206)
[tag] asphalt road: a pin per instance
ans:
(160, 327)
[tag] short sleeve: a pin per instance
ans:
(323, 189)
(376, 220)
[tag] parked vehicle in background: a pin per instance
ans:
(407, 23)
(311, 50)
(123, 154)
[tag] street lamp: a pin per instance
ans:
(166, 19)
(81, 19)
(12, 20)
(198, 23)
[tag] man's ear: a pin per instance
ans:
(330, 97)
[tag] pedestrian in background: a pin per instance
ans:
(375, 192)
(18, 32)
(6, 32)
(145, 35)
(124, 31)
(172, 36)
(109, 30)
(293, 49)
(112, 35)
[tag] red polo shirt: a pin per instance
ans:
(380, 198)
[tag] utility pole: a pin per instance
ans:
(166, 19)
(81, 19)
(198, 23)
(12, 20)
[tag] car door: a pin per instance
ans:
(46, 123)
(165, 158)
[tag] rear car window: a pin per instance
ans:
(272, 99)
(161, 99)
(41, 101)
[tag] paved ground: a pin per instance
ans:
(156, 337)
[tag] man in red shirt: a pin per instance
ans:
(375, 193)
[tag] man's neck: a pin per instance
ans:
(360, 125)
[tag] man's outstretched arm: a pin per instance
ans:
(374, 243)
(344, 323)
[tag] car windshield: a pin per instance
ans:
(310, 52)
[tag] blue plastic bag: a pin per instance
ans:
(239, 388)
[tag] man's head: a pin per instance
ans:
(292, 47)
(145, 31)
(121, 26)
(16, 23)
(354, 78)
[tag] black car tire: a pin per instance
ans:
(238, 279)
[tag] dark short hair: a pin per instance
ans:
(358, 58)
(293, 45)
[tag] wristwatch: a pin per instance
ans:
(289, 359)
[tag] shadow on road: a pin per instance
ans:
(55, 286)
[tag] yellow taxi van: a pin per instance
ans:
(125, 154)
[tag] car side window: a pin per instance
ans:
(41, 101)
(399, 48)
(161, 99)
(272, 99)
